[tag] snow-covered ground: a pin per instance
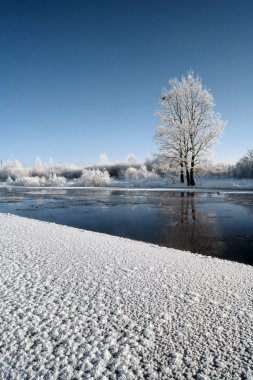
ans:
(156, 183)
(224, 183)
(83, 305)
(201, 183)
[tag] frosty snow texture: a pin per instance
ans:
(83, 305)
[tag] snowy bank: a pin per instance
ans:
(83, 305)
(102, 180)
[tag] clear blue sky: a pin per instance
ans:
(80, 78)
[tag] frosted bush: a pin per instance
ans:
(13, 169)
(139, 174)
(132, 173)
(9, 180)
(93, 177)
(26, 181)
(55, 180)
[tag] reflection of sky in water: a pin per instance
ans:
(210, 223)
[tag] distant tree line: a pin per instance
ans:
(151, 169)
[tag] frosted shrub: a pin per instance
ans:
(12, 169)
(93, 177)
(9, 180)
(140, 174)
(26, 181)
(55, 180)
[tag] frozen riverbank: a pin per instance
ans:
(161, 184)
(78, 304)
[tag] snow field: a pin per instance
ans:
(83, 305)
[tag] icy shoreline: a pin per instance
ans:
(132, 189)
(202, 185)
(84, 305)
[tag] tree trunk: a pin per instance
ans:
(192, 182)
(187, 175)
(181, 168)
(181, 173)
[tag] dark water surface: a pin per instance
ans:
(212, 223)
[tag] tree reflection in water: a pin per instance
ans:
(190, 229)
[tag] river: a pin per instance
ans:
(213, 223)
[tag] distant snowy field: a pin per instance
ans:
(83, 305)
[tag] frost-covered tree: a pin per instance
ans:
(244, 167)
(190, 127)
(131, 159)
(104, 159)
(38, 164)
